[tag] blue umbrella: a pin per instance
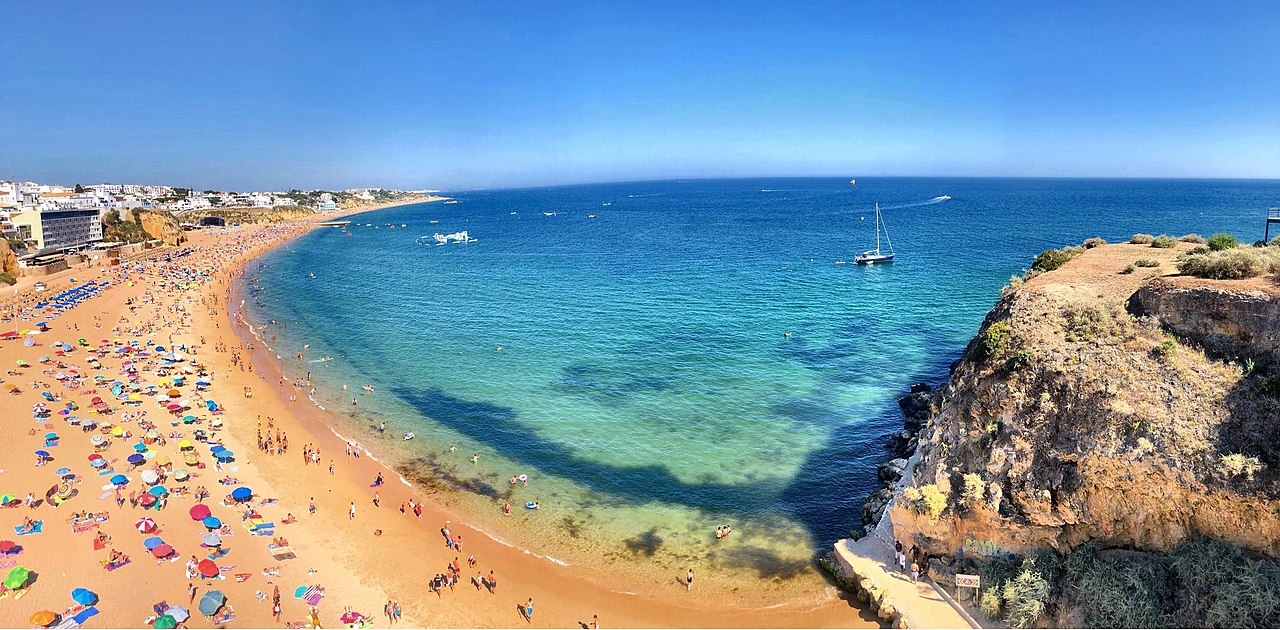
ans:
(217, 447)
(140, 447)
(51, 436)
(43, 453)
(137, 458)
(212, 602)
(225, 455)
(241, 494)
(159, 491)
(119, 480)
(62, 471)
(98, 463)
(211, 522)
(153, 542)
(84, 596)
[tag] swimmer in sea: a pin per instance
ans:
(475, 457)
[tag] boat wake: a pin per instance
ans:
(938, 199)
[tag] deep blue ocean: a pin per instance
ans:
(644, 382)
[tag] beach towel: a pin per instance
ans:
(85, 614)
(39, 524)
(313, 595)
(280, 552)
(263, 532)
(80, 528)
(8, 564)
(113, 567)
(240, 577)
(218, 554)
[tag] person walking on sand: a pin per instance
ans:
(528, 610)
(375, 500)
(395, 609)
(312, 507)
(688, 581)
(386, 610)
(351, 514)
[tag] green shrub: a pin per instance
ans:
(1141, 239)
(989, 603)
(1018, 360)
(974, 489)
(1164, 241)
(1085, 321)
(1197, 250)
(1166, 350)
(935, 501)
(1221, 241)
(1025, 597)
(1237, 464)
(1051, 259)
(1192, 238)
(1129, 268)
(7, 278)
(1231, 264)
(1090, 243)
(992, 341)
(1146, 262)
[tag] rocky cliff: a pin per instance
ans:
(8, 259)
(1102, 403)
(161, 225)
(1236, 319)
(258, 215)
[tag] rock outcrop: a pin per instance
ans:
(1230, 318)
(161, 225)
(8, 259)
(257, 215)
(1072, 419)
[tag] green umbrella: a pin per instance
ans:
(17, 577)
(164, 622)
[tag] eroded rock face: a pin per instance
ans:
(8, 259)
(161, 225)
(1228, 320)
(1070, 420)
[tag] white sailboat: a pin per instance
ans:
(875, 256)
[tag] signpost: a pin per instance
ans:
(967, 581)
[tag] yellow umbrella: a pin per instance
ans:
(118, 431)
(44, 618)
(162, 460)
(184, 444)
(135, 396)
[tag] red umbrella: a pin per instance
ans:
(147, 500)
(162, 551)
(145, 525)
(7, 546)
(95, 456)
(207, 568)
(199, 512)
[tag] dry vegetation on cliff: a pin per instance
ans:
(1078, 417)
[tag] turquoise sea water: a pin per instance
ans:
(644, 383)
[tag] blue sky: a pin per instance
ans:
(269, 95)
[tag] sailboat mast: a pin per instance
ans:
(877, 228)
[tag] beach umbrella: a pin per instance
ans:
(159, 491)
(164, 622)
(162, 550)
(189, 419)
(84, 596)
(180, 474)
(300, 591)
(118, 480)
(28, 342)
(97, 439)
(179, 613)
(98, 463)
(210, 405)
(241, 494)
(7, 546)
(117, 431)
(94, 457)
(212, 601)
(217, 447)
(225, 456)
(64, 491)
(51, 436)
(211, 540)
(199, 512)
(149, 476)
(153, 542)
(17, 577)
(44, 618)
(145, 525)
(147, 500)
(207, 569)
(140, 447)
(351, 616)
(137, 458)
(43, 453)
(185, 444)
(211, 522)
(163, 459)
(62, 472)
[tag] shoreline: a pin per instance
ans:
(705, 611)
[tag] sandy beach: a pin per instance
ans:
(363, 555)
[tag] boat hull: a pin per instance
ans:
(874, 260)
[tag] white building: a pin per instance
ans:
(60, 229)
